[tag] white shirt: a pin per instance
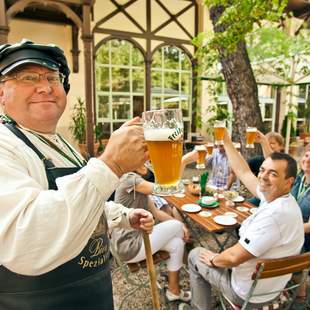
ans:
(274, 231)
(41, 229)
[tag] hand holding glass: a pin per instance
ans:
(163, 132)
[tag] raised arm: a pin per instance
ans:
(263, 141)
(240, 166)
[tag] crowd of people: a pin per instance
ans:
(56, 221)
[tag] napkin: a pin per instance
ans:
(203, 182)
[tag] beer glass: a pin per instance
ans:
(163, 132)
(250, 137)
(210, 147)
(219, 131)
(202, 151)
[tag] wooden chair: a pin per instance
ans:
(270, 268)
(129, 270)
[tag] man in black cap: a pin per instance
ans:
(54, 251)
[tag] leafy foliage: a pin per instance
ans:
(78, 126)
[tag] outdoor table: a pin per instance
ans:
(207, 223)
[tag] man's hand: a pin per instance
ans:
(205, 257)
(126, 149)
(260, 137)
(141, 219)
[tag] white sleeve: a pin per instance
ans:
(42, 229)
(261, 235)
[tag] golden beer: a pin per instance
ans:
(166, 159)
(201, 149)
(210, 147)
(219, 131)
(250, 136)
(163, 133)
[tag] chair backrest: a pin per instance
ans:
(268, 268)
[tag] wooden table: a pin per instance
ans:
(207, 223)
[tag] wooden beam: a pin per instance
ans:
(4, 28)
(87, 38)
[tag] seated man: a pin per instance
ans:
(274, 231)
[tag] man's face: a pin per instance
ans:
(305, 162)
(221, 148)
(35, 106)
(272, 179)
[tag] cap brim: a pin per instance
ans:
(45, 63)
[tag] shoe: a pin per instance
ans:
(184, 296)
(183, 306)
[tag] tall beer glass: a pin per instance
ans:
(202, 151)
(250, 137)
(163, 132)
(219, 131)
(210, 147)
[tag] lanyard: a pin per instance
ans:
(76, 160)
(303, 188)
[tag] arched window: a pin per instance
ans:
(172, 82)
(119, 84)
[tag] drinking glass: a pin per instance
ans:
(250, 137)
(202, 151)
(219, 131)
(163, 132)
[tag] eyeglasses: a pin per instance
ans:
(33, 78)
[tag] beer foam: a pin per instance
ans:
(200, 148)
(163, 134)
(251, 129)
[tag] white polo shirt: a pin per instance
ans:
(275, 230)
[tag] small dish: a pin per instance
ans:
(179, 195)
(191, 208)
(225, 220)
(208, 200)
(242, 209)
(232, 214)
(238, 199)
(186, 181)
(215, 204)
(253, 210)
(205, 213)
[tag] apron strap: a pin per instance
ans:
(47, 162)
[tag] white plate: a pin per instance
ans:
(208, 200)
(179, 195)
(232, 214)
(205, 213)
(225, 220)
(253, 210)
(242, 209)
(238, 199)
(191, 207)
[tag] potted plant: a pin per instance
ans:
(78, 129)
(305, 135)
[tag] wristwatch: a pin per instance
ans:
(211, 260)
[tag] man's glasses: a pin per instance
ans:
(32, 78)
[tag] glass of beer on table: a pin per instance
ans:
(202, 151)
(210, 147)
(250, 137)
(163, 132)
(219, 131)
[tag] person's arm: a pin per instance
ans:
(188, 158)
(240, 166)
(263, 141)
(229, 258)
(144, 187)
(158, 214)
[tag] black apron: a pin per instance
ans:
(83, 283)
